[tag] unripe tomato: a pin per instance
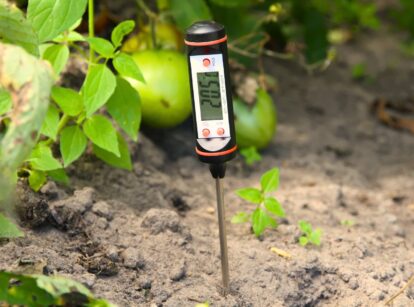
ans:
(167, 36)
(165, 95)
(255, 125)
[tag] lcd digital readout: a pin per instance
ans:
(210, 97)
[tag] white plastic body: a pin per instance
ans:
(213, 142)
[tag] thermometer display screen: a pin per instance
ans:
(210, 97)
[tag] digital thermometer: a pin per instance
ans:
(211, 92)
(212, 111)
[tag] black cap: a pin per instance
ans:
(205, 31)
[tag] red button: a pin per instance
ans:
(220, 131)
(206, 62)
(206, 132)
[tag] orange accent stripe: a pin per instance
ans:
(215, 154)
(217, 41)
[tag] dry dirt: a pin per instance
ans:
(150, 237)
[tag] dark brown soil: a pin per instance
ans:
(150, 237)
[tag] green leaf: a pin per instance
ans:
(303, 241)
(58, 56)
(59, 175)
(16, 30)
(260, 221)
(8, 230)
(125, 107)
(72, 36)
(51, 122)
(250, 194)
(99, 303)
(240, 217)
(270, 180)
(315, 237)
(57, 285)
(101, 132)
(315, 35)
(72, 144)
(101, 46)
(305, 227)
(5, 101)
(118, 34)
(123, 161)
(37, 179)
(51, 17)
(251, 155)
(232, 3)
(42, 159)
(24, 292)
(192, 11)
(68, 100)
(99, 85)
(273, 206)
(126, 67)
(31, 81)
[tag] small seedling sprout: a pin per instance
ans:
(266, 205)
(251, 155)
(309, 236)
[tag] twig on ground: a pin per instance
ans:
(399, 292)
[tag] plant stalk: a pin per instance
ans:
(152, 20)
(91, 27)
(62, 123)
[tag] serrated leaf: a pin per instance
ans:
(101, 132)
(127, 67)
(273, 206)
(37, 179)
(250, 194)
(192, 11)
(125, 107)
(58, 56)
(270, 180)
(72, 144)
(99, 85)
(42, 159)
(51, 17)
(5, 101)
(68, 100)
(240, 217)
(260, 221)
(303, 241)
(8, 229)
(59, 175)
(123, 161)
(120, 31)
(51, 122)
(101, 46)
(16, 30)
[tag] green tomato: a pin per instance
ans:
(255, 126)
(167, 36)
(165, 95)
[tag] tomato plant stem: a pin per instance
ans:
(62, 123)
(152, 20)
(91, 27)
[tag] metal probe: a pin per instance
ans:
(223, 235)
